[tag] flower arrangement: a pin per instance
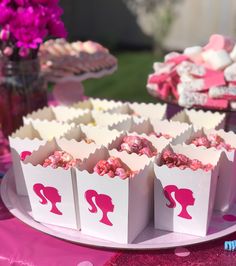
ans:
(25, 24)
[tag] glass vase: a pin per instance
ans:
(22, 90)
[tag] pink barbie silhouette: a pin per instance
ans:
(184, 197)
(103, 202)
(24, 154)
(48, 194)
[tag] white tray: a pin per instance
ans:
(150, 238)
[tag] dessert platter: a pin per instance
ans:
(80, 60)
(77, 170)
(200, 77)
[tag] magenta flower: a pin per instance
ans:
(5, 14)
(57, 29)
(29, 22)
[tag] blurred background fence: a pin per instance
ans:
(143, 23)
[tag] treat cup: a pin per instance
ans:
(146, 110)
(184, 199)
(96, 104)
(115, 209)
(107, 120)
(62, 114)
(201, 118)
(52, 192)
(176, 132)
(158, 144)
(27, 139)
(138, 124)
(225, 193)
(97, 135)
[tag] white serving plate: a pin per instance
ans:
(150, 238)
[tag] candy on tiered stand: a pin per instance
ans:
(60, 59)
(198, 77)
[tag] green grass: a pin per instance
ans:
(128, 82)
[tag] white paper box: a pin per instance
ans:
(112, 208)
(177, 131)
(226, 187)
(138, 124)
(27, 139)
(188, 204)
(58, 186)
(146, 110)
(100, 136)
(107, 120)
(97, 104)
(201, 119)
(61, 114)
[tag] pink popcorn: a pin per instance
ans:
(213, 140)
(201, 141)
(181, 161)
(102, 167)
(60, 159)
(138, 145)
(114, 162)
(113, 167)
(159, 135)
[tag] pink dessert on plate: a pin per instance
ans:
(198, 77)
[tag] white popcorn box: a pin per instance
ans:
(97, 104)
(176, 132)
(98, 135)
(27, 139)
(225, 193)
(138, 124)
(52, 192)
(146, 110)
(112, 208)
(199, 118)
(184, 199)
(106, 120)
(61, 114)
(158, 144)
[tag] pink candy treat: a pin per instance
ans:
(138, 145)
(213, 140)
(218, 42)
(172, 159)
(113, 167)
(60, 159)
(180, 75)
